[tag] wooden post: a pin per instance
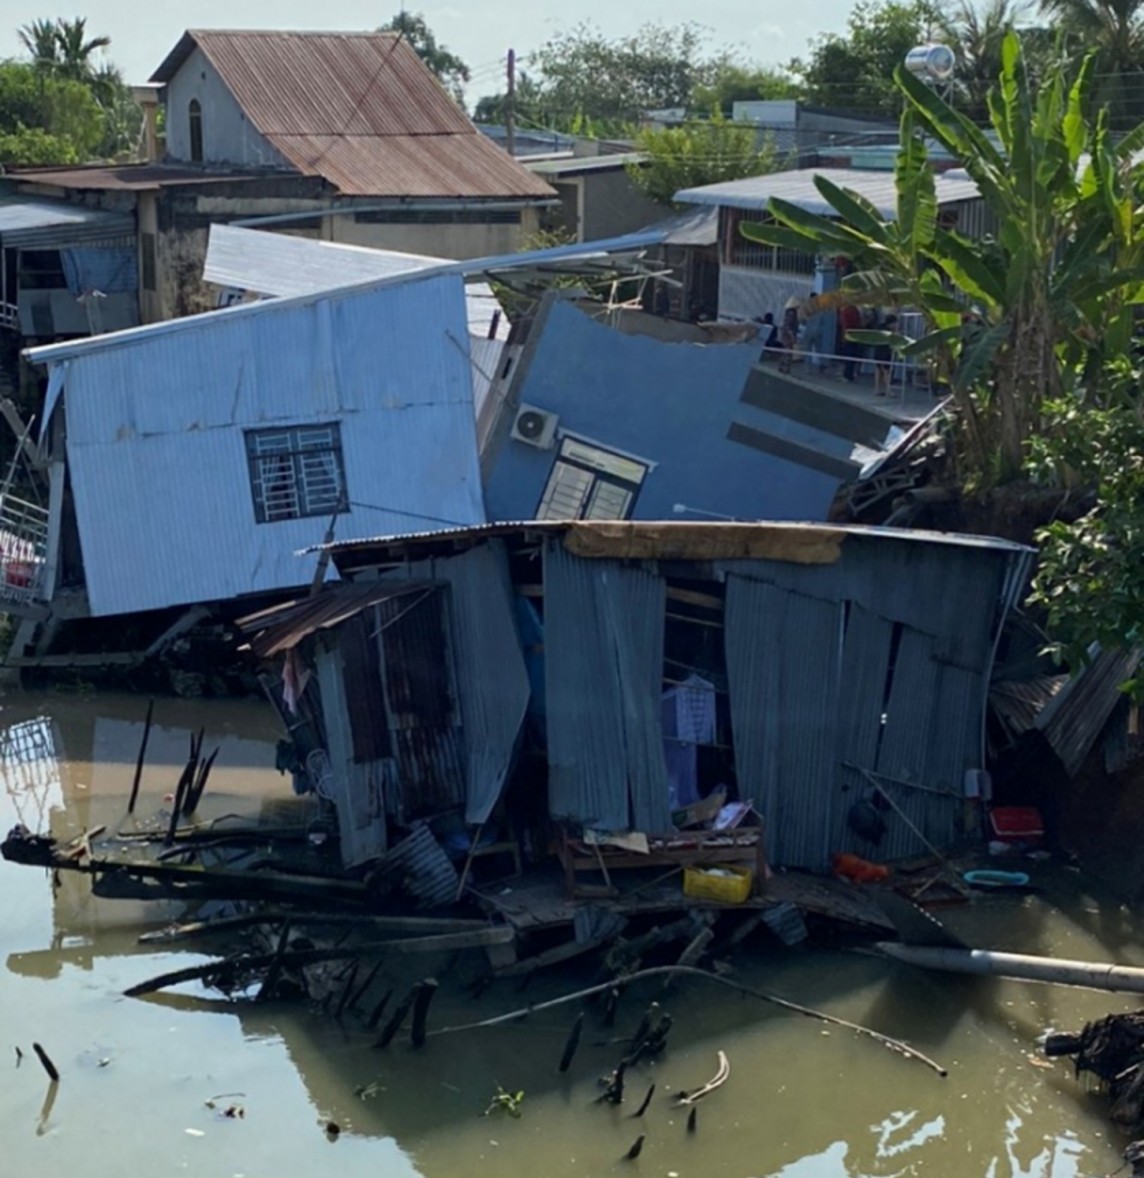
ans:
(397, 1018)
(510, 105)
(426, 988)
(139, 760)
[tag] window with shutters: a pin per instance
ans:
(296, 472)
(589, 482)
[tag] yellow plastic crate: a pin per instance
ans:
(732, 888)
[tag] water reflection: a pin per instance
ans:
(802, 1102)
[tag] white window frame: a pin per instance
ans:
(590, 481)
(296, 472)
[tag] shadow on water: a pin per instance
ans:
(804, 1100)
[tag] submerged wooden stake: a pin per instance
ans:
(692, 1117)
(426, 988)
(46, 1060)
(140, 758)
(351, 977)
(645, 1102)
(636, 1149)
(378, 1010)
(397, 1018)
(572, 1042)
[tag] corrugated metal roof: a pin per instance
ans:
(797, 187)
(360, 109)
(282, 265)
(26, 222)
(466, 166)
(1073, 720)
(127, 177)
(283, 626)
(698, 226)
(579, 165)
(629, 243)
(383, 363)
(796, 543)
(1018, 702)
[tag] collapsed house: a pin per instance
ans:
(189, 461)
(593, 679)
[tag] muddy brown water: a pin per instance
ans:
(803, 1100)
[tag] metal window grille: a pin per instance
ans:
(588, 482)
(296, 472)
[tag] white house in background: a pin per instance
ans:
(190, 461)
(754, 279)
(361, 112)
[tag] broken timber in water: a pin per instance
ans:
(1112, 1049)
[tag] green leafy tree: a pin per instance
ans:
(976, 33)
(855, 72)
(705, 151)
(1054, 291)
(613, 83)
(42, 115)
(1114, 31)
(1090, 575)
(725, 80)
(449, 68)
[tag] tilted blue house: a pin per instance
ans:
(191, 460)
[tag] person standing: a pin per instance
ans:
(883, 360)
(849, 319)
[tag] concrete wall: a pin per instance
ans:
(462, 240)
(227, 135)
(595, 205)
(671, 404)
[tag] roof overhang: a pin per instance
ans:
(37, 223)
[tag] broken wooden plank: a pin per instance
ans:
(426, 925)
(560, 953)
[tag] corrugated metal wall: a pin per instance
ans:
(155, 438)
(492, 681)
(881, 661)
(357, 787)
(603, 643)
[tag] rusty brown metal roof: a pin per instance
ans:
(359, 109)
(124, 177)
(282, 627)
(456, 166)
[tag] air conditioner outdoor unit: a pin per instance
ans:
(535, 427)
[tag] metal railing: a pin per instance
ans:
(10, 316)
(23, 549)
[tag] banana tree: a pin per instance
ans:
(1053, 289)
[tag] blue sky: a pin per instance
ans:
(480, 31)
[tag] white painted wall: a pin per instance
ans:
(228, 137)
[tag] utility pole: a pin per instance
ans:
(510, 105)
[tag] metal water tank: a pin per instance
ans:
(931, 63)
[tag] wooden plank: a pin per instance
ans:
(496, 934)
(692, 597)
(555, 956)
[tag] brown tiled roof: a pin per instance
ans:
(359, 109)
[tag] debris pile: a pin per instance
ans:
(1112, 1049)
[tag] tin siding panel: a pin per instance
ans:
(603, 681)
(491, 677)
(908, 746)
(357, 788)
(754, 622)
(156, 450)
(783, 666)
(865, 657)
(421, 705)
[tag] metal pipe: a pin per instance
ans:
(1021, 966)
